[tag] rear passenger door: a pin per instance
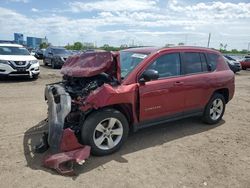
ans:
(196, 82)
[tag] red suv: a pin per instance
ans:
(103, 95)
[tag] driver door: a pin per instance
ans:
(163, 97)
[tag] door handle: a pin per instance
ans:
(178, 83)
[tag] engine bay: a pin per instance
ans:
(82, 86)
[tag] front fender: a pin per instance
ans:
(108, 95)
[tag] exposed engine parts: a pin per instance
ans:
(82, 86)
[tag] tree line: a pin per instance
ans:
(107, 47)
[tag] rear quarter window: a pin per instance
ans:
(213, 60)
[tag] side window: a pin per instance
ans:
(213, 60)
(203, 62)
(192, 62)
(167, 65)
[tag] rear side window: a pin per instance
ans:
(192, 62)
(213, 60)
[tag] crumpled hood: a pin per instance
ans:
(90, 64)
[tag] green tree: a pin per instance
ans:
(109, 48)
(44, 45)
(77, 46)
(235, 51)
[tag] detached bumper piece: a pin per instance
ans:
(63, 143)
(73, 152)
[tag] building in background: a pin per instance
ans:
(18, 38)
(34, 42)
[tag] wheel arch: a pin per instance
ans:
(224, 92)
(125, 108)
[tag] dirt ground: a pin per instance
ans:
(185, 153)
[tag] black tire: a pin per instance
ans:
(35, 77)
(44, 62)
(244, 68)
(88, 131)
(207, 116)
(53, 64)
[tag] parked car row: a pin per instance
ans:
(237, 65)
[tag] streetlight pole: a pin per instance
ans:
(208, 42)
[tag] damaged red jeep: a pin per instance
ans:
(104, 95)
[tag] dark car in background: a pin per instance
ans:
(55, 56)
(39, 53)
(233, 64)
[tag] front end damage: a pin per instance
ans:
(66, 100)
(64, 146)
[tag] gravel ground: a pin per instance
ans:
(185, 153)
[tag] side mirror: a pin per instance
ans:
(149, 75)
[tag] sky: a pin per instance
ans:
(117, 22)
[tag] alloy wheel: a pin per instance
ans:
(216, 109)
(108, 133)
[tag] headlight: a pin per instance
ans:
(231, 62)
(33, 62)
(4, 62)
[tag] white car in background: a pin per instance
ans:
(15, 60)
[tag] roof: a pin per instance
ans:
(144, 50)
(10, 45)
(148, 50)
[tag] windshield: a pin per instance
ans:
(129, 60)
(60, 51)
(10, 50)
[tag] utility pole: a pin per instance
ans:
(248, 47)
(208, 42)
